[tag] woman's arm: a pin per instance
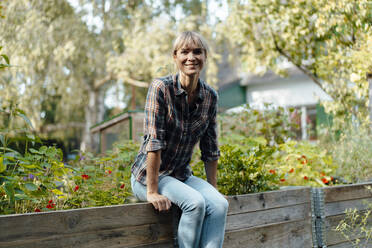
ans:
(211, 171)
(159, 201)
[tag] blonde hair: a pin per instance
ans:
(188, 37)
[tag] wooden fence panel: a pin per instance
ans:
(270, 219)
(336, 200)
(279, 235)
(273, 219)
(268, 200)
(113, 226)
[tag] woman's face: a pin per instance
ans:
(190, 59)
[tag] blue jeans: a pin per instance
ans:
(204, 209)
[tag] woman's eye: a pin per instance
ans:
(197, 51)
(183, 52)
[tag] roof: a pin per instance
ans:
(294, 74)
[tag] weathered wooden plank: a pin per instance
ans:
(346, 192)
(337, 208)
(267, 200)
(39, 225)
(114, 238)
(350, 245)
(292, 234)
(334, 237)
(250, 219)
(139, 225)
(166, 244)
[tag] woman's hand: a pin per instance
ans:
(159, 201)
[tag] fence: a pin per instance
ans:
(333, 202)
(283, 218)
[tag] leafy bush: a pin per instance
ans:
(38, 180)
(103, 180)
(274, 124)
(29, 180)
(351, 150)
(302, 163)
(250, 165)
(242, 169)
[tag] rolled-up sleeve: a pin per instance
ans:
(209, 142)
(155, 117)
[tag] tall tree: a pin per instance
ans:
(65, 64)
(330, 41)
(42, 38)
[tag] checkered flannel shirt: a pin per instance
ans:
(171, 127)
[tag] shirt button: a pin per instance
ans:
(184, 132)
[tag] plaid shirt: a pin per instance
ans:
(173, 127)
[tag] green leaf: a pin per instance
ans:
(21, 197)
(9, 190)
(31, 187)
(28, 166)
(30, 136)
(58, 183)
(43, 149)
(46, 165)
(6, 58)
(2, 165)
(89, 168)
(57, 192)
(2, 139)
(26, 119)
(34, 151)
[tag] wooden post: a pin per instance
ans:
(133, 100)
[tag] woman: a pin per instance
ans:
(180, 111)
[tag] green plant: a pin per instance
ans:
(4, 58)
(274, 124)
(38, 180)
(351, 150)
(103, 180)
(356, 228)
(302, 163)
(241, 167)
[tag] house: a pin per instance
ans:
(297, 91)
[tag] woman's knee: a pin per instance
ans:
(196, 204)
(220, 206)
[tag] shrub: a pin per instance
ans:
(351, 150)
(107, 178)
(274, 124)
(38, 180)
(302, 163)
(241, 168)
(250, 165)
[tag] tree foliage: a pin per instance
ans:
(330, 41)
(64, 65)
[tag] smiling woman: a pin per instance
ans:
(181, 111)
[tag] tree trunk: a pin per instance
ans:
(87, 141)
